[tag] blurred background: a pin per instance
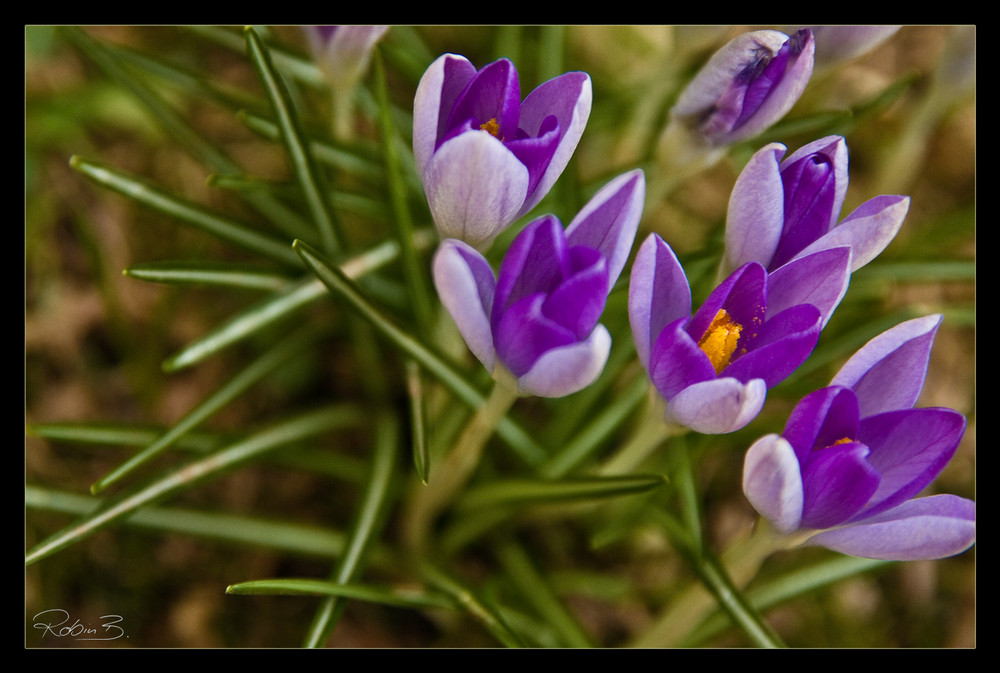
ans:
(95, 339)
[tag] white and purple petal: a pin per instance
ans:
(610, 220)
(659, 294)
(927, 528)
(718, 405)
(466, 285)
(568, 369)
(772, 482)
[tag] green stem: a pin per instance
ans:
(447, 479)
(721, 581)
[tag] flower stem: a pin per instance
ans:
(653, 430)
(447, 479)
(740, 563)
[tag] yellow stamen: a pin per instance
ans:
(491, 127)
(842, 440)
(720, 340)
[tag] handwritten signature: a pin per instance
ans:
(55, 622)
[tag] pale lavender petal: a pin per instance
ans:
(609, 221)
(465, 284)
(868, 230)
(772, 482)
(888, 372)
(568, 369)
(840, 43)
(437, 91)
(474, 187)
(820, 279)
(658, 293)
(910, 447)
(718, 406)
(569, 98)
(755, 217)
(928, 528)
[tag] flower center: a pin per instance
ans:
(720, 340)
(492, 127)
(842, 440)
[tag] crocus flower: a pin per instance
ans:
(747, 86)
(852, 456)
(539, 317)
(486, 158)
(784, 210)
(343, 53)
(714, 368)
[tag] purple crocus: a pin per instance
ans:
(714, 368)
(746, 86)
(781, 210)
(486, 158)
(853, 455)
(538, 318)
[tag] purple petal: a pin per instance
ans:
(522, 333)
(567, 369)
(494, 93)
(717, 406)
(810, 195)
(474, 188)
(756, 210)
(835, 149)
(676, 362)
(778, 346)
(910, 447)
(609, 221)
(536, 261)
(868, 230)
(772, 482)
(568, 98)
(535, 152)
(888, 372)
(437, 91)
(934, 527)
(658, 294)
(742, 295)
(465, 284)
(579, 301)
(820, 279)
(837, 481)
(821, 418)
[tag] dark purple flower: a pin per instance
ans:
(714, 367)
(539, 317)
(747, 86)
(486, 158)
(853, 455)
(784, 210)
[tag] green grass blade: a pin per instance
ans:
(301, 159)
(340, 284)
(413, 266)
(418, 420)
(280, 353)
(186, 212)
(504, 493)
(539, 593)
(192, 473)
(208, 273)
(107, 58)
(311, 587)
(369, 517)
(295, 538)
(279, 306)
(485, 614)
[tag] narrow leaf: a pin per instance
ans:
(370, 594)
(534, 492)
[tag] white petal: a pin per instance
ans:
(566, 370)
(772, 482)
